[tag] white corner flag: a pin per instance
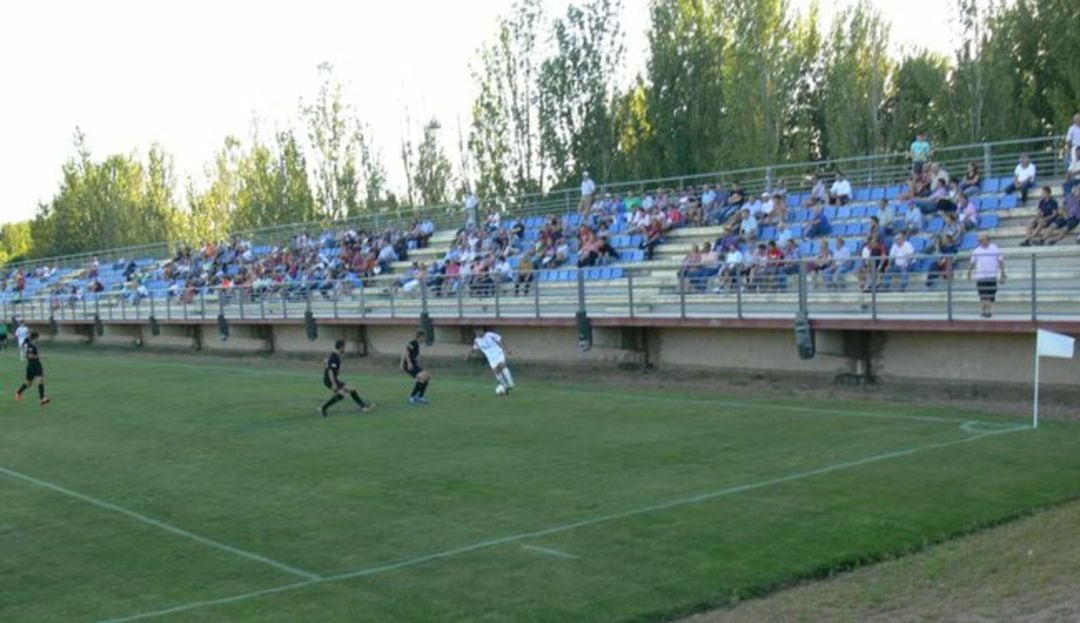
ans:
(1048, 344)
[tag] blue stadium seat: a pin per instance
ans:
(614, 273)
(859, 211)
(830, 213)
(988, 221)
(843, 213)
(768, 233)
(1008, 202)
(892, 192)
(987, 203)
(969, 241)
(935, 224)
(877, 193)
(861, 194)
(796, 230)
(919, 244)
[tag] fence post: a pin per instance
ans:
(460, 294)
(151, 302)
(738, 296)
(1034, 289)
(363, 299)
(630, 290)
(536, 292)
(804, 301)
(682, 298)
(768, 177)
(581, 290)
(949, 292)
(873, 289)
(202, 301)
(393, 311)
(987, 159)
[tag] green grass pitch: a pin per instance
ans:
(177, 489)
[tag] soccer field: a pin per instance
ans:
(182, 489)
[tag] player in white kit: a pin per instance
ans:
(21, 334)
(495, 350)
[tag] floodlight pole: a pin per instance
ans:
(1035, 400)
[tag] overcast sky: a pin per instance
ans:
(186, 74)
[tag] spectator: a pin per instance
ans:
(886, 216)
(819, 224)
(733, 270)
(938, 174)
(606, 253)
(654, 235)
(874, 263)
(783, 234)
(588, 189)
(841, 264)
(913, 220)
(987, 263)
(821, 263)
(1044, 217)
(690, 267)
(524, 276)
(472, 205)
(968, 213)
(840, 191)
(791, 257)
(1072, 174)
(941, 266)
(710, 267)
(1067, 219)
(818, 194)
(1023, 178)
(748, 226)
(1072, 139)
(972, 183)
(920, 152)
(901, 262)
(770, 275)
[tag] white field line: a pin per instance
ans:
(565, 527)
(549, 551)
(161, 525)
(705, 402)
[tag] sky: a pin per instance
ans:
(187, 74)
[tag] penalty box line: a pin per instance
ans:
(161, 525)
(565, 527)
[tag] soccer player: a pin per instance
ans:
(410, 363)
(34, 371)
(493, 347)
(21, 335)
(332, 381)
(3, 335)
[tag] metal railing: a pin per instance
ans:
(997, 159)
(1040, 286)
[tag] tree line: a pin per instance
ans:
(727, 84)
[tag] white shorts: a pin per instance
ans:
(495, 362)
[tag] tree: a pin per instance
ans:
(335, 136)
(854, 83)
(918, 100)
(432, 178)
(577, 90)
(16, 242)
(504, 138)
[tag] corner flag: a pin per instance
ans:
(1048, 344)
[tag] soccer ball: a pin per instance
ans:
(500, 389)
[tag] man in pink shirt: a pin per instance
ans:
(986, 263)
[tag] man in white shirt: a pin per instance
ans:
(588, 190)
(1072, 174)
(749, 226)
(495, 350)
(472, 205)
(1023, 178)
(841, 264)
(783, 234)
(840, 191)
(1072, 139)
(901, 262)
(732, 270)
(986, 263)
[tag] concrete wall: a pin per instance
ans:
(978, 358)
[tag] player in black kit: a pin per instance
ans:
(34, 371)
(410, 363)
(332, 381)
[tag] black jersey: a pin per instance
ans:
(412, 352)
(33, 361)
(333, 363)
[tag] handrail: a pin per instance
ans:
(1046, 151)
(1033, 290)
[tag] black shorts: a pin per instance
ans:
(330, 386)
(987, 289)
(416, 370)
(34, 371)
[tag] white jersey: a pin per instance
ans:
(21, 334)
(491, 345)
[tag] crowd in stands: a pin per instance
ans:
(488, 253)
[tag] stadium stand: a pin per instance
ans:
(633, 251)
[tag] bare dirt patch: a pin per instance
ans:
(1028, 570)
